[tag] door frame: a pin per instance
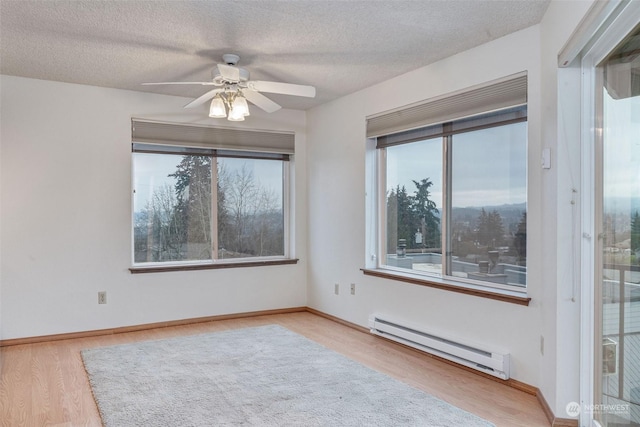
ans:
(617, 26)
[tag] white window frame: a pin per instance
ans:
(286, 188)
(381, 209)
(376, 161)
(218, 138)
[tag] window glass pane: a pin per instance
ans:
(172, 207)
(618, 371)
(413, 206)
(487, 233)
(250, 208)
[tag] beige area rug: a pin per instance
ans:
(263, 376)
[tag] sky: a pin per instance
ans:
(489, 166)
(621, 147)
(151, 172)
(483, 171)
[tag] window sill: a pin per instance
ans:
(505, 296)
(210, 266)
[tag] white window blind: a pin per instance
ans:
(470, 124)
(188, 135)
(498, 95)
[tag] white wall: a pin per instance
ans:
(337, 210)
(65, 181)
(66, 217)
(561, 88)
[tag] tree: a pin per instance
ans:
(426, 211)
(609, 231)
(222, 208)
(250, 221)
(520, 239)
(635, 232)
(175, 224)
(408, 214)
(158, 230)
(490, 231)
(177, 220)
(240, 193)
(401, 222)
(266, 227)
(193, 209)
(392, 220)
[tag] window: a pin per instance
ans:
(200, 205)
(453, 196)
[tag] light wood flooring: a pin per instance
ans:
(46, 384)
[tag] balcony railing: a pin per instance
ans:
(511, 274)
(621, 328)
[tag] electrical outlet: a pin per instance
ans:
(102, 297)
(336, 289)
(541, 345)
(353, 289)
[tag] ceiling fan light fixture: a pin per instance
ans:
(217, 110)
(231, 84)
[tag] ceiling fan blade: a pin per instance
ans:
(283, 88)
(229, 72)
(180, 83)
(204, 98)
(260, 100)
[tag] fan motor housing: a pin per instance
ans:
(244, 74)
(230, 58)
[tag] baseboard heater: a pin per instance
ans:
(484, 360)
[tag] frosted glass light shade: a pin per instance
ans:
(235, 115)
(217, 109)
(240, 106)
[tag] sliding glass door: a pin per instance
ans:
(617, 107)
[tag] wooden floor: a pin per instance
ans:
(46, 384)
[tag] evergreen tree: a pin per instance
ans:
(408, 214)
(224, 226)
(392, 220)
(635, 232)
(520, 239)
(490, 229)
(609, 231)
(426, 213)
(400, 218)
(193, 209)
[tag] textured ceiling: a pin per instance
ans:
(337, 46)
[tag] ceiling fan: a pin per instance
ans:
(233, 89)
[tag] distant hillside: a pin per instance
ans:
(627, 205)
(510, 214)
